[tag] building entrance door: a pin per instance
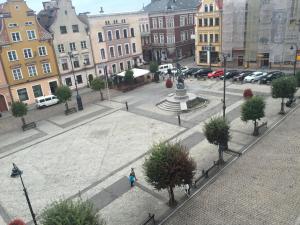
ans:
(53, 86)
(240, 60)
(3, 106)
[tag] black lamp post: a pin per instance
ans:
(16, 172)
(224, 88)
(209, 50)
(295, 61)
(78, 98)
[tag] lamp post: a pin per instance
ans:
(209, 55)
(295, 61)
(224, 88)
(16, 172)
(78, 98)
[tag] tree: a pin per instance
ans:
(216, 132)
(64, 95)
(98, 85)
(128, 77)
(284, 87)
(153, 67)
(17, 222)
(169, 165)
(253, 109)
(67, 212)
(19, 109)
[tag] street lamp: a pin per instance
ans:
(296, 51)
(209, 55)
(16, 172)
(224, 88)
(78, 98)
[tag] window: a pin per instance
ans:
(86, 60)
(68, 81)
(205, 22)
(64, 64)
(133, 48)
(12, 55)
(28, 23)
(32, 70)
(22, 93)
(191, 19)
(160, 22)
(114, 68)
(132, 32)
(31, 34)
(37, 91)
(182, 35)
(171, 39)
(211, 38)
(147, 27)
(128, 64)
(27, 53)
(155, 38)
(161, 39)
(76, 62)
(154, 23)
(12, 25)
(121, 66)
(15, 36)
(75, 28)
(72, 46)
(211, 8)
(120, 50)
(126, 49)
(79, 79)
(117, 34)
(125, 33)
(123, 21)
(17, 73)
(216, 38)
(170, 22)
(83, 45)
(60, 48)
(206, 8)
(42, 51)
(100, 37)
(112, 52)
(205, 38)
(200, 37)
(63, 29)
(102, 52)
(46, 68)
(217, 21)
(143, 28)
(109, 35)
(182, 21)
(211, 21)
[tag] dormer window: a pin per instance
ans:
(12, 25)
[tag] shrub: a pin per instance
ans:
(248, 93)
(19, 109)
(97, 85)
(128, 78)
(17, 222)
(64, 94)
(169, 83)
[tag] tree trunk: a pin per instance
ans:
(23, 121)
(67, 106)
(221, 159)
(282, 107)
(255, 132)
(101, 96)
(172, 201)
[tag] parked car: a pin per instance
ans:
(164, 68)
(230, 74)
(216, 73)
(242, 75)
(202, 72)
(184, 69)
(253, 76)
(45, 101)
(190, 71)
(271, 76)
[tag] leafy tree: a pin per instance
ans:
(284, 87)
(17, 222)
(153, 67)
(253, 109)
(169, 165)
(298, 78)
(67, 212)
(98, 85)
(128, 77)
(216, 132)
(19, 109)
(64, 95)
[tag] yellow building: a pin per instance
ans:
(208, 33)
(26, 53)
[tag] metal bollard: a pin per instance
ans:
(179, 119)
(126, 103)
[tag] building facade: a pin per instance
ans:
(116, 41)
(172, 29)
(208, 33)
(5, 97)
(71, 42)
(27, 55)
(146, 38)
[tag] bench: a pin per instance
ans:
(150, 220)
(29, 126)
(260, 128)
(70, 111)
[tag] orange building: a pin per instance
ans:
(26, 53)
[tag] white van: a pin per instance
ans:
(44, 101)
(164, 68)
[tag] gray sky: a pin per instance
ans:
(93, 6)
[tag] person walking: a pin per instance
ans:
(132, 177)
(187, 190)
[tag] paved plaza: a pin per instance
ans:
(89, 154)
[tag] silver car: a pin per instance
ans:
(254, 77)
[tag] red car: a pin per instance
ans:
(216, 73)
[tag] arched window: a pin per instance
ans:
(206, 8)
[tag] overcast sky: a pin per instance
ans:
(93, 6)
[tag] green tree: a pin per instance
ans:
(153, 67)
(64, 94)
(169, 165)
(253, 109)
(98, 85)
(19, 109)
(67, 212)
(284, 87)
(128, 77)
(216, 132)
(298, 78)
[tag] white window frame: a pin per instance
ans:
(19, 37)
(182, 21)
(59, 49)
(46, 69)
(27, 51)
(121, 50)
(19, 75)
(120, 37)
(43, 51)
(72, 46)
(155, 38)
(32, 68)
(160, 22)
(127, 44)
(113, 47)
(83, 46)
(154, 23)
(15, 54)
(112, 35)
(30, 36)
(133, 44)
(103, 58)
(161, 38)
